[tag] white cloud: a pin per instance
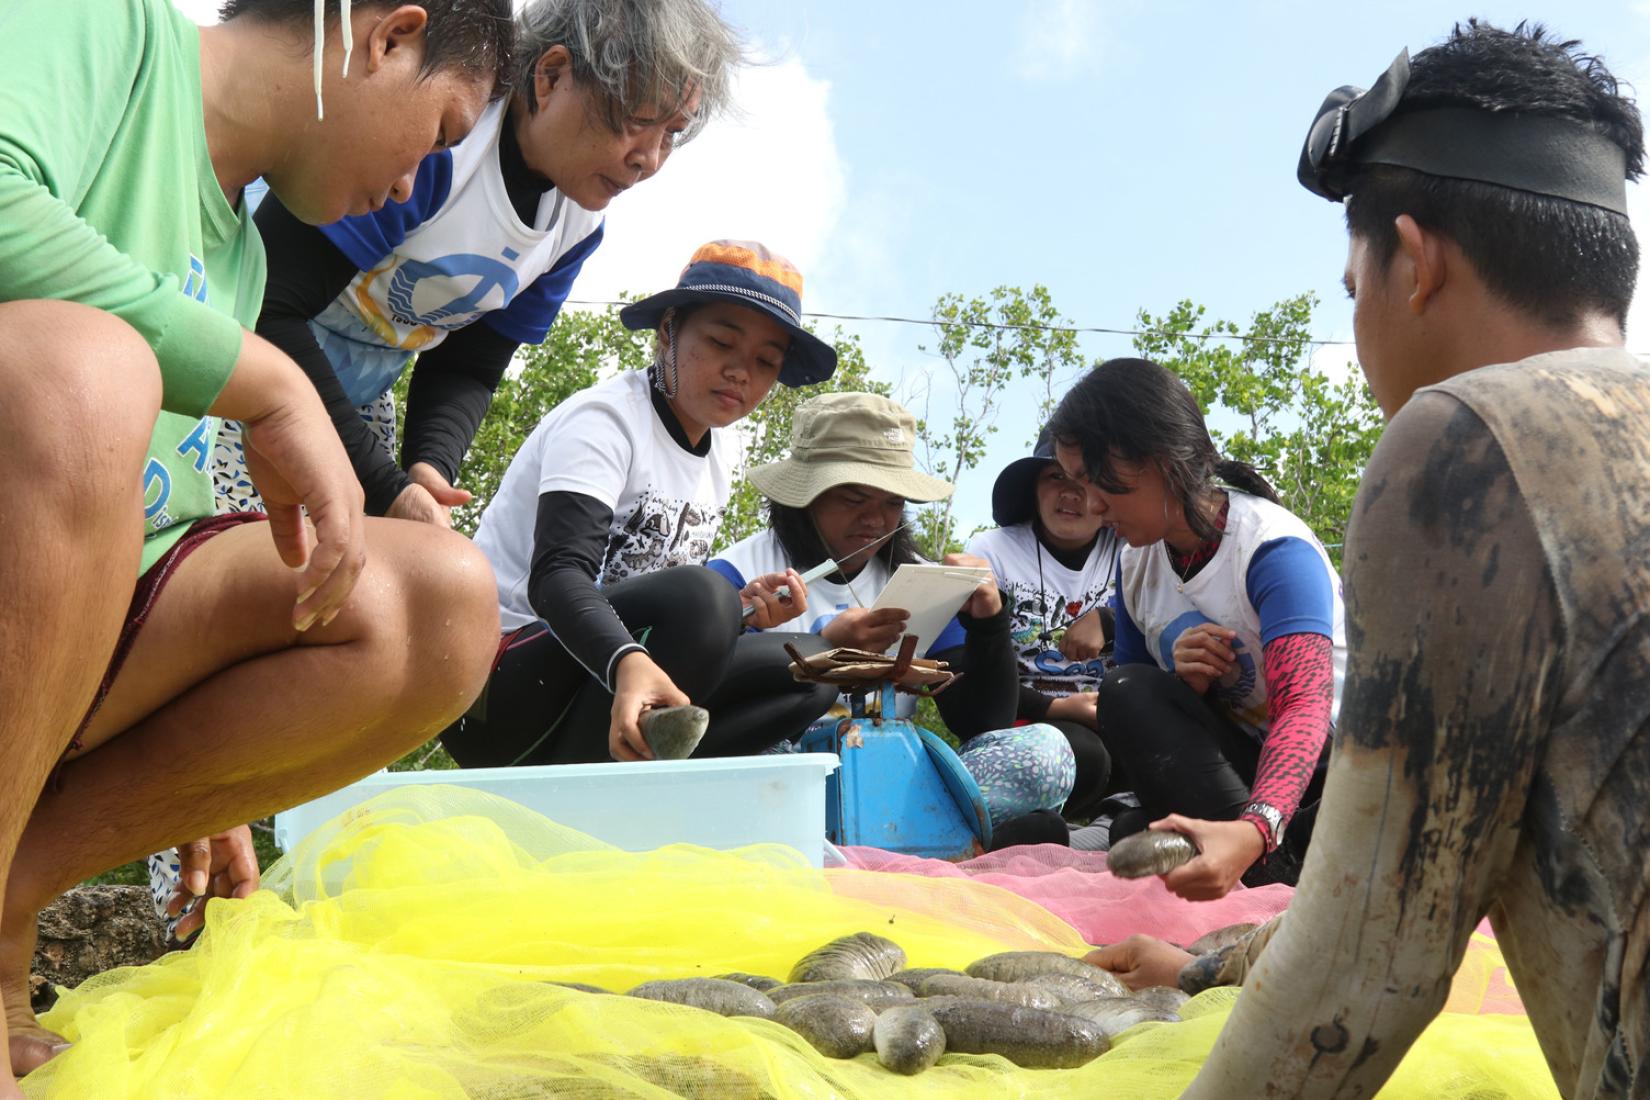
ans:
(1337, 362)
(772, 174)
(1055, 37)
(201, 11)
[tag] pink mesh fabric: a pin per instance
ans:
(1076, 887)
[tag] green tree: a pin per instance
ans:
(987, 344)
(1309, 435)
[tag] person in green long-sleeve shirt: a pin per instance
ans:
(184, 673)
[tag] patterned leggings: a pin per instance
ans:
(1021, 770)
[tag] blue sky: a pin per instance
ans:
(1125, 154)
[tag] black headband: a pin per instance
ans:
(1543, 154)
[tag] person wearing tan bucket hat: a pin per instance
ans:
(842, 438)
(850, 473)
(602, 523)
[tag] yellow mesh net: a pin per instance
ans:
(403, 951)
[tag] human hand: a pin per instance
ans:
(987, 599)
(771, 608)
(1142, 961)
(1226, 849)
(1080, 706)
(872, 631)
(298, 464)
(224, 865)
(1084, 638)
(414, 503)
(1203, 654)
(641, 684)
(429, 499)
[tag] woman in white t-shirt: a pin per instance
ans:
(1056, 564)
(1230, 641)
(602, 523)
(845, 485)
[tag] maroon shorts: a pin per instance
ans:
(148, 590)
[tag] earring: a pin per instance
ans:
(675, 372)
(665, 374)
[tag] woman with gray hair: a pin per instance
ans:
(478, 259)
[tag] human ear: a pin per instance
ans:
(396, 35)
(551, 70)
(666, 332)
(1423, 252)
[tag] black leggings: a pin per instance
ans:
(541, 706)
(1185, 757)
(1094, 770)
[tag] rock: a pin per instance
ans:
(42, 994)
(91, 929)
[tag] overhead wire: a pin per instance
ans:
(935, 322)
(1033, 326)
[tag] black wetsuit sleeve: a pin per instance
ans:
(986, 696)
(569, 543)
(452, 386)
(1033, 705)
(306, 272)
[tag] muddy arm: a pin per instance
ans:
(1442, 720)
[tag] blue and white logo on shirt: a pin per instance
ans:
(1239, 680)
(455, 312)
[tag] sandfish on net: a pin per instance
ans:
(404, 951)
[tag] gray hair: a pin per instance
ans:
(635, 55)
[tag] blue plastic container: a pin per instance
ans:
(900, 788)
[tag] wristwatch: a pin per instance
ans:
(1272, 818)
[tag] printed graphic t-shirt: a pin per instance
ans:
(1269, 577)
(453, 254)
(111, 201)
(1044, 599)
(607, 443)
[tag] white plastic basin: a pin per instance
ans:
(721, 803)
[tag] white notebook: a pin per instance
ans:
(932, 594)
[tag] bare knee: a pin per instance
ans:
(82, 392)
(444, 622)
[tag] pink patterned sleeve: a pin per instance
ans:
(1300, 689)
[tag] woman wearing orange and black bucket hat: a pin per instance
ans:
(604, 518)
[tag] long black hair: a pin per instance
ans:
(799, 538)
(1140, 412)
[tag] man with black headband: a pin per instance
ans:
(1493, 755)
